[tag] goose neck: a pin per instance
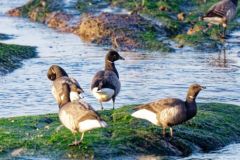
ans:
(111, 66)
(191, 108)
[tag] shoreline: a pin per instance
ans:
(166, 22)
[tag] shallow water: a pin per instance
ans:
(145, 76)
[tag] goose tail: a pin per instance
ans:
(90, 124)
(143, 113)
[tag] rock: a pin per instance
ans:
(17, 152)
(194, 30)
(14, 12)
(125, 135)
(59, 21)
(180, 46)
(120, 31)
(163, 8)
(181, 16)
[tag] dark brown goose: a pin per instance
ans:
(105, 84)
(170, 112)
(59, 76)
(77, 116)
(221, 13)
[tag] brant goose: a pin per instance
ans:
(221, 13)
(77, 116)
(59, 76)
(169, 112)
(105, 84)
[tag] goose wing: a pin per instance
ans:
(57, 86)
(220, 9)
(166, 112)
(74, 81)
(77, 117)
(160, 105)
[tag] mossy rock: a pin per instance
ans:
(11, 56)
(215, 126)
(158, 14)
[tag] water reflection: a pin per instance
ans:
(220, 60)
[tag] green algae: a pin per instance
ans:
(177, 30)
(11, 56)
(215, 126)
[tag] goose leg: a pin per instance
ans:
(113, 99)
(164, 132)
(224, 32)
(101, 105)
(171, 131)
(75, 142)
(82, 137)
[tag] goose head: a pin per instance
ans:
(55, 72)
(193, 91)
(113, 56)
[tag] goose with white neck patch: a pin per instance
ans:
(106, 84)
(77, 116)
(170, 111)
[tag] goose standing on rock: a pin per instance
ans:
(105, 84)
(77, 116)
(59, 76)
(221, 13)
(170, 112)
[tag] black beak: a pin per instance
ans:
(80, 90)
(121, 58)
(203, 87)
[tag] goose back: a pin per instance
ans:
(73, 114)
(168, 112)
(224, 8)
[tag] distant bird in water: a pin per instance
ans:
(77, 116)
(59, 76)
(221, 13)
(170, 112)
(105, 84)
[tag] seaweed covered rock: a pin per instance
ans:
(118, 30)
(215, 126)
(59, 21)
(122, 31)
(11, 56)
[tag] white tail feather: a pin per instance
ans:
(146, 114)
(91, 124)
(104, 94)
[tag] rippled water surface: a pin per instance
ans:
(145, 76)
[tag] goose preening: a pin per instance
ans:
(77, 116)
(221, 13)
(170, 111)
(105, 84)
(59, 76)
